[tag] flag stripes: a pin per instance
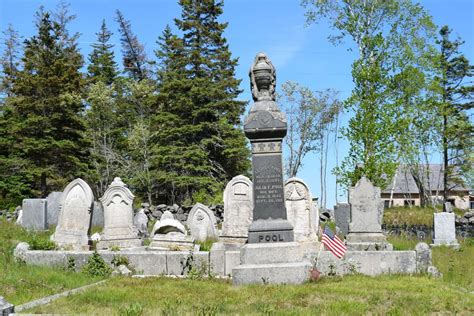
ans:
(333, 243)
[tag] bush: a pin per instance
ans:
(40, 243)
(96, 266)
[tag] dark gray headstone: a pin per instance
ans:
(34, 214)
(97, 215)
(342, 216)
(265, 127)
(54, 198)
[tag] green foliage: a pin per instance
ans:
(393, 39)
(71, 264)
(199, 145)
(46, 106)
(414, 215)
(455, 103)
(37, 242)
(134, 309)
(96, 266)
(102, 65)
(206, 245)
(119, 260)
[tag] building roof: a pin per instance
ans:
(433, 179)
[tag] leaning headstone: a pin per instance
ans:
(365, 228)
(342, 216)
(5, 307)
(34, 214)
(271, 255)
(19, 219)
(140, 220)
(202, 223)
(74, 216)
(238, 206)
(119, 231)
(300, 210)
(54, 198)
(168, 233)
(445, 230)
(97, 215)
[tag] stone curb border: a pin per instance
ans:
(51, 298)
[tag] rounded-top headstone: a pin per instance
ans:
(202, 223)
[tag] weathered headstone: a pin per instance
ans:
(54, 198)
(169, 233)
(445, 230)
(19, 219)
(448, 207)
(300, 210)
(140, 220)
(365, 228)
(342, 216)
(202, 223)
(238, 206)
(271, 255)
(34, 214)
(74, 216)
(118, 217)
(97, 215)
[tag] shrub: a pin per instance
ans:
(96, 266)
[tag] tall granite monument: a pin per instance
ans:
(271, 255)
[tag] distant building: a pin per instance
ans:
(402, 190)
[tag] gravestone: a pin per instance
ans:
(54, 198)
(140, 220)
(35, 214)
(271, 255)
(97, 215)
(202, 223)
(169, 234)
(5, 307)
(448, 207)
(445, 230)
(342, 216)
(119, 231)
(74, 216)
(238, 206)
(19, 219)
(301, 212)
(365, 227)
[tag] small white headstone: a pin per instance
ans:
(445, 229)
(34, 214)
(300, 210)
(118, 217)
(19, 219)
(202, 223)
(238, 207)
(74, 216)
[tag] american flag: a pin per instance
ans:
(333, 243)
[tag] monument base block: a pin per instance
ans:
(367, 242)
(163, 242)
(445, 242)
(271, 263)
(121, 243)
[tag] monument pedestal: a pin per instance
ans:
(445, 230)
(271, 263)
(171, 242)
(367, 242)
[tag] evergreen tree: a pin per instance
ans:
(102, 65)
(46, 109)
(199, 143)
(134, 57)
(9, 61)
(457, 99)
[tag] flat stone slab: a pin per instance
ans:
(445, 230)
(271, 253)
(121, 243)
(273, 273)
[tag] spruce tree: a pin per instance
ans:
(457, 99)
(200, 145)
(134, 58)
(46, 109)
(102, 65)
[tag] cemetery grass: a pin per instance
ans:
(414, 215)
(21, 283)
(353, 294)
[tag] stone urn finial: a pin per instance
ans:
(262, 78)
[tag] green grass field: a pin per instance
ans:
(21, 283)
(355, 294)
(414, 215)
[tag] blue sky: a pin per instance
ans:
(277, 27)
